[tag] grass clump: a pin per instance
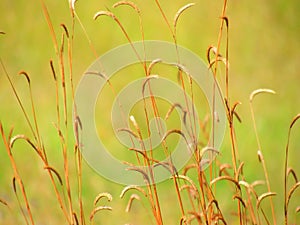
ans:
(191, 195)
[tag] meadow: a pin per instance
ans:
(52, 184)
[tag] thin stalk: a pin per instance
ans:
(297, 117)
(252, 95)
(17, 178)
(19, 100)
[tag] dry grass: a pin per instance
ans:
(195, 189)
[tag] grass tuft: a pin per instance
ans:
(193, 195)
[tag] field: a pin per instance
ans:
(262, 54)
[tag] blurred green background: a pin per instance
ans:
(264, 45)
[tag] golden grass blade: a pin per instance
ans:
(210, 203)
(38, 138)
(50, 25)
(167, 165)
(245, 184)
(65, 29)
(195, 215)
(178, 14)
(149, 77)
(63, 82)
(72, 4)
(152, 64)
(223, 168)
(186, 178)
(191, 190)
(135, 124)
(128, 3)
(55, 172)
(239, 170)
(53, 70)
(292, 190)
(56, 91)
(133, 187)
(18, 99)
(259, 91)
(145, 175)
(77, 128)
(143, 153)
(239, 198)
(172, 109)
(102, 195)
(165, 17)
(262, 161)
(75, 218)
(17, 179)
(176, 131)
(10, 133)
(26, 75)
(110, 14)
(183, 220)
(292, 171)
(129, 204)
(263, 196)
(249, 187)
(210, 49)
(260, 155)
(136, 8)
(294, 120)
(18, 199)
(232, 180)
(208, 149)
(2, 201)
(129, 131)
(258, 182)
(98, 74)
(104, 13)
(225, 18)
(23, 137)
(233, 111)
(97, 209)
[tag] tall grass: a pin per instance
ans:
(196, 190)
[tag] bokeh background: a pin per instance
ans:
(264, 45)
